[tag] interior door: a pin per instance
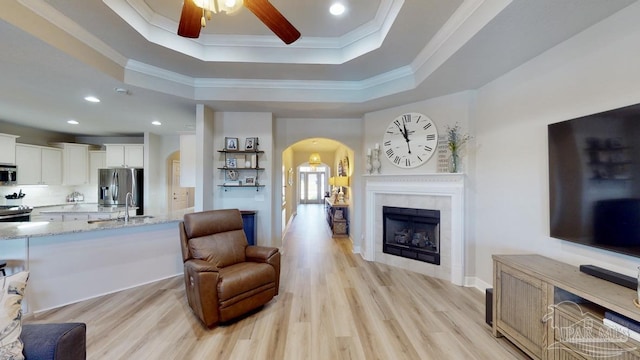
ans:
(311, 187)
(179, 195)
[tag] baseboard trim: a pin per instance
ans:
(475, 282)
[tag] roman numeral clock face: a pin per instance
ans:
(410, 140)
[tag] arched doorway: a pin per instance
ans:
(178, 197)
(305, 184)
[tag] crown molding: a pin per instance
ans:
(259, 49)
(466, 21)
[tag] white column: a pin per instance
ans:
(204, 159)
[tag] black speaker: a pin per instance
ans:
(608, 275)
(488, 306)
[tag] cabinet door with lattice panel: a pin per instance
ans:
(580, 334)
(520, 305)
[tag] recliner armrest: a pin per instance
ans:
(265, 254)
(257, 253)
(201, 282)
(197, 265)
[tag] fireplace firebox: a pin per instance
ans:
(411, 233)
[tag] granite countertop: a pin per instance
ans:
(82, 208)
(16, 230)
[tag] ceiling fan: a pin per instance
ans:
(192, 18)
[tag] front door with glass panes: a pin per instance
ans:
(312, 187)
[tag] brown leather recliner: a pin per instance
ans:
(224, 276)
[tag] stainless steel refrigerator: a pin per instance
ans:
(114, 184)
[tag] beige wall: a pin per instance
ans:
(243, 125)
(289, 190)
(594, 71)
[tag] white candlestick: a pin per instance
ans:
(377, 146)
(369, 151)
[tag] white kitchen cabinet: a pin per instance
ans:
(115, 155)
(75, 163)
(79, 215)
(46, 217)
(8, 149)
(29, 161)
(100, 216)
(51, 166)
(125, 155)
(75, 217)
(38, 165)
(97, 160)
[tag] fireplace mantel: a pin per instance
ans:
(430, 187)
(436, 177)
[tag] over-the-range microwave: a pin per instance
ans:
(8, 175)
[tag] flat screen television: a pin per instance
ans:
(594, 180)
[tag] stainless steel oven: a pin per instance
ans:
(8, 175)
(19, 213)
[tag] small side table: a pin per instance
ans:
(249, 225)
(337, 217)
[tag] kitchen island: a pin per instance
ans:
(72, 261)
(79, 211)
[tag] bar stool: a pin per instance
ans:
(3, 263)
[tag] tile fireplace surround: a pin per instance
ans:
(444, 192)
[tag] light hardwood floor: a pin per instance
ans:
(332, 305)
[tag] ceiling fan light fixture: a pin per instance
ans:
(192, 18)
(230, 6)
(216, 6)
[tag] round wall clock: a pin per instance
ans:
(410, 140)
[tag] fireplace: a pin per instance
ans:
(444, 192)
(411, 233)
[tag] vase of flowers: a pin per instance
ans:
(455, 140)
(454, 161)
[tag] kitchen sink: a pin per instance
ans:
(132, 219)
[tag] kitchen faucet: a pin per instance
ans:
(126, 205)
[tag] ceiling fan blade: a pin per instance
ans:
(190, 24)
(274, 20)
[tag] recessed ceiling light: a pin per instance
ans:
(337, 9)
(156, 123)
(72, 122)
(92, 99)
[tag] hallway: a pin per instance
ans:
(308, 228)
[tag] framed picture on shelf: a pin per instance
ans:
(232, 163)
(250, 180)
(231, 143)
(345, 166)
(233, 175)
(251, 144)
